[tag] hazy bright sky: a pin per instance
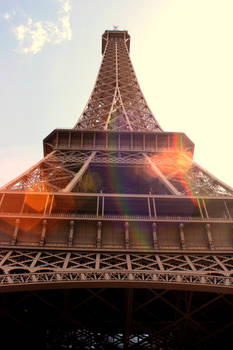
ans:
(182, 52)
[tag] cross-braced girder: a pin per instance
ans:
(35, 269)
(166, 172)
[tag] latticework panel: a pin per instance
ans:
(58, 268)
(143, 172)
(117, 102)
(51, 174)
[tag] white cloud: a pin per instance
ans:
(32, 36)
(35, 34)
(66, 32)
(66, 5)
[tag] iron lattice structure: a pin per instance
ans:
(116, 238)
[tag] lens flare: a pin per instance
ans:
(172, 163)
(175, 164)
(29, 224)
(35, 202)
(137, 236)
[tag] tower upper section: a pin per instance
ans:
(115, 34)
(116, 102)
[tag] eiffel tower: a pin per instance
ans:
(116, 239)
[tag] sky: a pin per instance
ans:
(50, 53)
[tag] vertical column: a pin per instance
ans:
(155, 237)
(71, 234)
(209, 236)
(99, 232)
(182, 239)
(128, 260)
(15, 234)
(102, 207)
(154, 207)
(97, 206)
(149, 208)
(128, 308)
(126, 235)
(97, 261)
(44, 229)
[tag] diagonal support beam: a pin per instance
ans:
(25, 173)
(163, 178)
(210, 175)
(128, 315)
(59, 310)
(104, 300)
(79, 174)
(85, 301)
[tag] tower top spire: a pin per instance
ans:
(116, 102)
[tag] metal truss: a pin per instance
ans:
(196, 271)
(183, 318)
(52, 173)
(120, 158)
(146, 280)
(63, 170)
(117, 102)
(127, 319)
(36, 261)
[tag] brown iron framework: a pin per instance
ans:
(117, 238)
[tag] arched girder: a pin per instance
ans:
(215, 283)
